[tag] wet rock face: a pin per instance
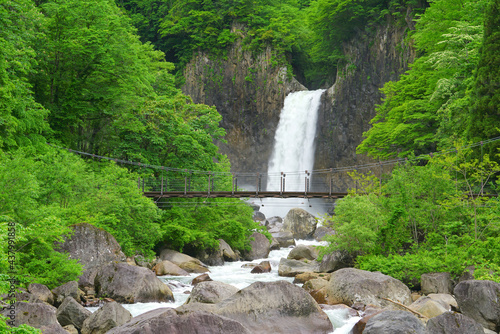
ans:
(394, 322)
(349, 105)
(248, 90)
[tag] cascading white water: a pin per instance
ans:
(293, 151)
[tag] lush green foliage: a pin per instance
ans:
(425, 220)
(426, 108)
(22, 329)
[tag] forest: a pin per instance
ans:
(104, 77)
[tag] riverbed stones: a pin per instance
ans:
(301, 223)
(201, 278)
(284, 238)
(309, 275)
(72, 313)
(428, 307)
(349, 285)
(321, 232)
(186, 262)
(69, 289)
(131, 284)
(453, 323)
(436, 283)
(335, 261)
(394, 322)
(317, 289)
(271, 307)
(211, 292)
(480, 300)
(291, 268)
(38, 315)
(259, 247)
(168, 268)
(448, 301)
(41, 292)
(167, 320)
(261, 268)
(303, 252)
(108, 316)
(227, 252)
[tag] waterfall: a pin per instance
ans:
(293, 151)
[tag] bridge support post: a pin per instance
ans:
(331, 182)
(281, 184)
(161, 190)
(257, 184)
(233, 188)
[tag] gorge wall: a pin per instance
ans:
(248, 90)
(372, 59)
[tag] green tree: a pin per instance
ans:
(22, 120)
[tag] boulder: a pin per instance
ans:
(291, 268)
(201, 278)
(168, 268)
(186, 262)
(317, 289)
(92, 247)
(211, 292)
(453, 323)
(108, 316)
(309, 275)
(38, 315)
(428, 307)
(274, 221)
(480, 300)
(275, 245)
(210, 256)
(359, 327)
(446, 300)
(394, 322)
(335, 261)
(69, 289)
(167, 320)
(271, 307)
(321, 231)
(41, 292)
(141, 261)
(436, 283)
(261, 268)
(301, 223)
(227, 252)
(71, 329)
(285, 239)
(72, 313)
(260, 247)
(131, 284)
(302, 252)
(258, 216)
(348, 286)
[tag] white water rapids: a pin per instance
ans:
(233, 273)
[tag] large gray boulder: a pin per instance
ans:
(259, 247)
(131, 284)
(227, 252)
(436, 283)
(453, 323)
(303, 252)
(321, 232)
(72, 313)
(69, 289)
(186, 262)
(335, 261)
(301, 223)
(167, 320)
(480, 300)
(271, 307)
(348, 286)
(291, 268)
(41, 292)
(211, 292)
(38, 315)
(109, 316)
(92, 247)
(428, 307)
(284, 239)
(168, 268)
(394, 322)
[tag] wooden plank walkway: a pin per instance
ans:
(242, 194)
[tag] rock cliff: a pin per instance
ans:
(372, 59)
(248, 90)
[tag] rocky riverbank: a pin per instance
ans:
(383, 304)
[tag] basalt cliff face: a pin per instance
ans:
(248, 90)
(372, 59)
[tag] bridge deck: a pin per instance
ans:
(243, 194)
